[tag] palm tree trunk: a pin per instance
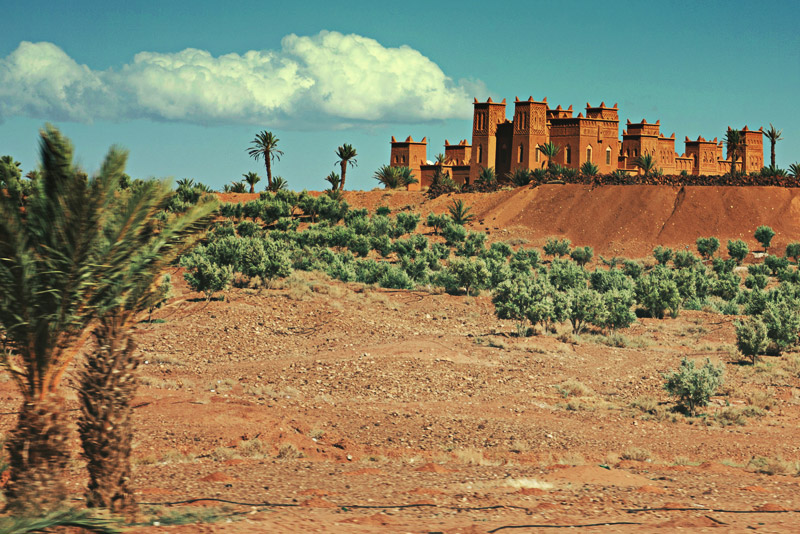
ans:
(772, 153)
(108, 383)
(252, 188)
(344, 170)
(733, 162)
(38, 450)
(268, 164)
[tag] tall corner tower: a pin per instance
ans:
(530, 131)
(486, 118)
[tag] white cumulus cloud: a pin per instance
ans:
(328, 78)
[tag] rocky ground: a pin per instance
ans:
(318, 406)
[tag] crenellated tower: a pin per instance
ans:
(411, 154)
(530, 131)
(488, 118)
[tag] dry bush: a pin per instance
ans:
(573, 388)
(637, 454)
(527, 483)
(288, 451)
(773, 466)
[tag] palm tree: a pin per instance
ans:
(647, 163)
(520, 176)
(108, 379)
(334, 180)
(774, 136)
(394, 177)
(346, 154)
(56, 258)
(265, 145)
(734, 141)
(251, 179)
(460, 213)
(278, 183)
(440, 159)
(794, 170)
(487, 176)
(589, 169)
(550, 150)
(237, 187)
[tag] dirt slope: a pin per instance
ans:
(621, 220)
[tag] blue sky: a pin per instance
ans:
(185, 86)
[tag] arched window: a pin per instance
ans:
(568, 154)
(480, 154)
(589, 154)
(608, 156)
(537, 154)
(521, 153)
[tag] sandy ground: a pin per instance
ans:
(318, 406)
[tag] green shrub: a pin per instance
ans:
(395, 277)
(789, 275)
(205, 276)
(764, 235)
(755, 301)
(454, 233)
(663, 255)
(782, 321)
(604, 281)
(793, 251)
(557, 247)
(501, 249)
(738, 250)
(707, 246)
(437, 222)
(222, 229)
(776, 264)
(263, 258)
(469, 274)
(582, 255)
(725, 286)
(342, 268)
(383, 211)
(720, 266)
(360, 245)
(758, 268)
(694, 387)
(360, 225)
(524, 299)
(758, 281)
(473, 245)
(524, 260)
(751, 337)
(684, 259)
(440, 250)
(369, 271)
(407, 222)
(658, 292)
(381, 225)
(729, 308)
(618, 309)
(632, 269)
(382, 245)
(565, 274)
(586, 306)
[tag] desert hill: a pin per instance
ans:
(624, 220)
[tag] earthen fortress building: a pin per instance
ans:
(507, 145)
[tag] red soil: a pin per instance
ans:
(615, 220)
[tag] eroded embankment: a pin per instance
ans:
(615, 220)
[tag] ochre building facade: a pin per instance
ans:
(592, 135)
